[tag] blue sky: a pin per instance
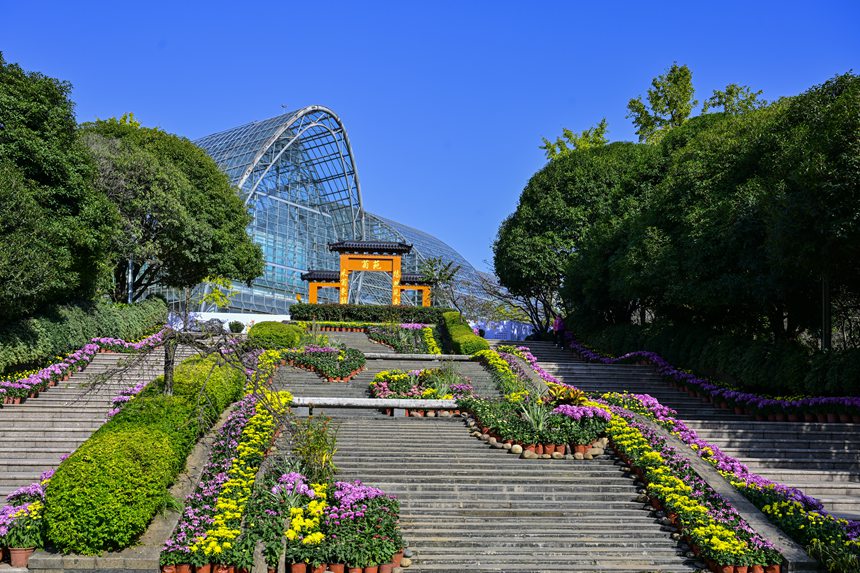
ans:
(445, 102)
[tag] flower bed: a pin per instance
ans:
(801, 516)
(803, 409)
(333, 364)
(323, 526)
(535, 427)
(443, 383)
(212, 518)
(707, 521)
(310, 524)
(405, 338)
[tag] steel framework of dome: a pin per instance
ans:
(296, 173)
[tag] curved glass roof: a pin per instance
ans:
(296, 173)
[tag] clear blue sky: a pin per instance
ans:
(445, 102)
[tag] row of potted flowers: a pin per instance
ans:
(708, 523)
(210, 523)
(809, 409)
(801, 516)
(29, 384)
(539, 426)
(107, 344)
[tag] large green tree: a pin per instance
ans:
(181, 220)
(558, 209)
(54, 227)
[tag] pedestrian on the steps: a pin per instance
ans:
(558, 330)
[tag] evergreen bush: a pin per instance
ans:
(367, 313)
(104, 496)
(274, 335)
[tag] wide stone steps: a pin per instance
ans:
(468, 507)
(38, 432)
(823, 460)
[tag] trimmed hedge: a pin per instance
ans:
(33, 341)
(367, 313)
(773, 368)
(459, 334)
(104, 496)
(274, 335)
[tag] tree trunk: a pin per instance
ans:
(169, 359)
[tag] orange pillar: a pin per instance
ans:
(425, 296)
(395, 282)
(312, 293)
(344, 280)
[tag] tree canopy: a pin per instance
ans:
(181, 220)
(670, 103)
(732, 221)
(54, 227)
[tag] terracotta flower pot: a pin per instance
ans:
(398, 557)
(793, 418)
(336, 567)
(183, 568)
(549, 449)
(530, 447)
(222, 568)
(741, 569)
(204, 568)
(299, 568)
(539, 449)
(320, 568)
(386, 568)
(845, 418)
(807, 417)
(20, 556)
(355, 570)
(772, 569)
(164, 568)
(580, 449)
(371, 569)
(756, 569)
(725, 568)
(831, 419)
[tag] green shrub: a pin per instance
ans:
(274, 335)
(236, 326)
(459, 334)
(62, 329)
(103, 497)
(367, 313)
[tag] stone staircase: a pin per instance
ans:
(35, 434)
(467, 507)
(823, 460)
